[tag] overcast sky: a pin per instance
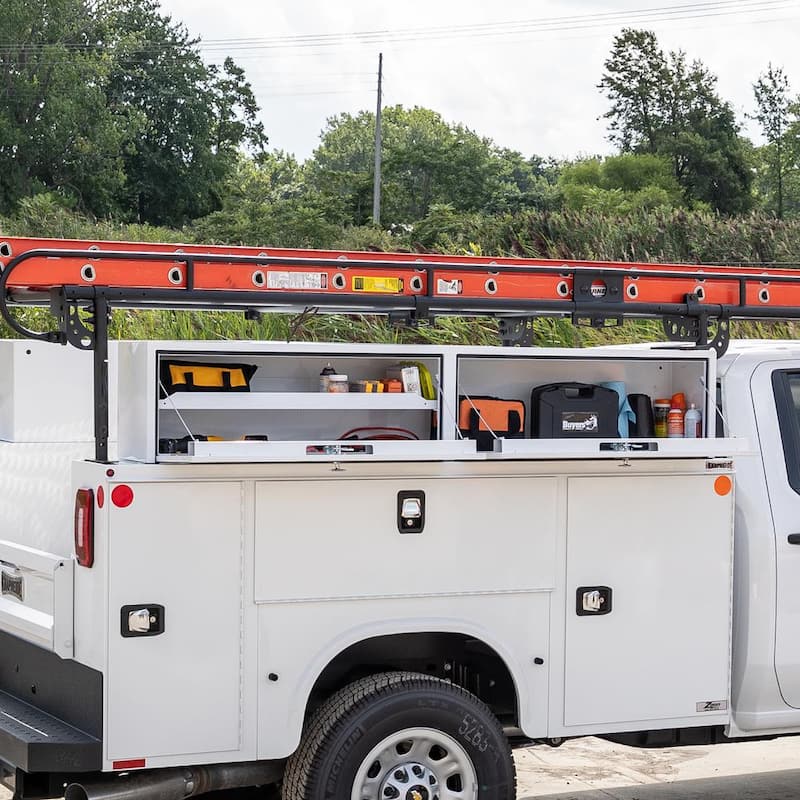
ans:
(529, 83)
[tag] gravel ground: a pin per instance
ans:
(591, 769)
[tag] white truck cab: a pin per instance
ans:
(759, 400)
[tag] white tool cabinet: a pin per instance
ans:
(295, 421)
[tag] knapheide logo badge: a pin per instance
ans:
(598, 289)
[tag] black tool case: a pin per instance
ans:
(574, 411)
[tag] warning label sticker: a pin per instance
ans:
(297, 280)
(448, 287)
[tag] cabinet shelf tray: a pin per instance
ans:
(296, 401)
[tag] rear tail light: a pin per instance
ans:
(84, 527)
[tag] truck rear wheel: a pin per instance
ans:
(402, 736)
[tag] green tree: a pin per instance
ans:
(341, 169)
(620, 184)
(773, 104)
(518, 183)
(109, 103)
(186, 120)
(56, 130)
(426, 161)
(662, 105)
(792, 176)
(445, 230)
(266, 203)
(635, 80)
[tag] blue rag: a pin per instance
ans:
(626, 413)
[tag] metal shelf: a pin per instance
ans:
(296, 401)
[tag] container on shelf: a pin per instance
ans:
(675, 424)
(678, 401)
(324, 377)
(370, 387)
(338, 383)
(661, 409)
(693, 423)
(643, 426)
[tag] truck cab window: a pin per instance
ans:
(786, 386)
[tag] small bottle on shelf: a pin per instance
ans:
(693, 423)
(661, 412)
(675, 424)
(675, 418)
(324, 377)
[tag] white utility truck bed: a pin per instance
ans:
(271, 560)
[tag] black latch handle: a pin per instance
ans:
(793, 538)
(411, 512)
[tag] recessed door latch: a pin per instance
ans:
(410, 512)
(144, 619)
(593, 601)
(13, 584)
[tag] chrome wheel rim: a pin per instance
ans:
(416, 764)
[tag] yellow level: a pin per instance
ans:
(363, 283)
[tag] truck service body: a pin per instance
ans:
(214, 589)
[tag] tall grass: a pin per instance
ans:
(662, 235)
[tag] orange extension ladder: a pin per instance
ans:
(402, 285)
(269, 274)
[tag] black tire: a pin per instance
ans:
(365, 715)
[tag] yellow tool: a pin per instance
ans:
(386, 285)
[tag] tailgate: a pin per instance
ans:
(36, 598)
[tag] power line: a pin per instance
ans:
(516, 32)
(578, 33)
(309, 94)
(161, 96)
(433, 35)
(679, 12)
(695, 10)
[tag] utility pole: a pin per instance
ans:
(376, 191)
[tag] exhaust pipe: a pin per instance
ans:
(176, 783)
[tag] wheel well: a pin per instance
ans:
(464, 660)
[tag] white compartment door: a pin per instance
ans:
(777, 386)
(339, 538)
(663, 546)
(178, 546)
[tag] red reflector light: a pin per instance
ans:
(122, 496)
(131, 763)
(84, 527)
